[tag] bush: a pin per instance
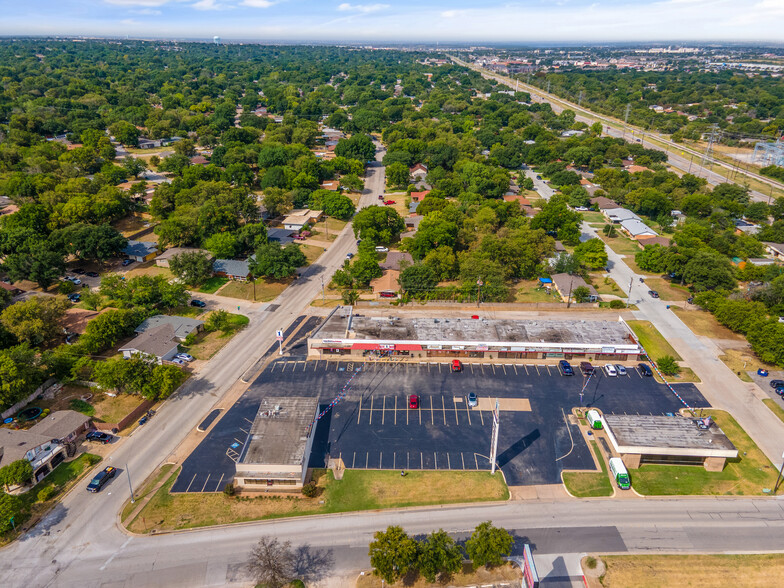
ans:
(190, 339)
(590, 563)
(92, 459)
(45, 413)
(668, 365)
(46, 493)
(617, 304)
(66, 288)
(310, 490)
(81, 406)
(228, 489)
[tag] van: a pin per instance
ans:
(594, 419)
(381, 249)
(619, 473)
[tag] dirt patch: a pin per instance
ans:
(466, 577)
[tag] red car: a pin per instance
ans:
(413, 401)
(457, 366)
(388, 202)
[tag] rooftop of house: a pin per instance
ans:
(620, 214)
(282, 236)
(568, 283)
(388, 282)
(279, 434)
(183, 325)
(637, 227)
(169, 253)
(663, 241)
(603, 203)
(140, 248)
(157, 341)
(231, 267)
(394, 259)
(15, 443)
(60, 424)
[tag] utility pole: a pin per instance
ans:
(548, 86)
(709, 149)
(479, 284)
(569, 296)
(629, 297)
(128, 471)
(626, 119)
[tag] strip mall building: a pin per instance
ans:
(346, 333)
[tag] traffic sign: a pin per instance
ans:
(279, 335)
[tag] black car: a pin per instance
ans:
(565, 368)
(100, 437)
(78, 270)
(198, 303)
(586, 368)
(779, 390)
(91, 274)
(776, 383)
(645, 370)
(100, 479)
(653, 293)
(74, 297)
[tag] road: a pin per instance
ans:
(680, 156)
(719, 386)
(84, 521)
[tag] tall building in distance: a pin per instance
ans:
(216, 40)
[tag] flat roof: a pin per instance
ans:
(279, 434)
(666, 435)
(482, 330)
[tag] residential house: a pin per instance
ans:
(618, 215)
(163, 259)
(65, 425)
(42, 451)
(774, 250)
(386, 285)
(418, 172)
(199, 160)
(332, 185)
(742, 226)
(412, 222)
(633, 169)
(678, 217)
(182, 325)
(278, 235)
(761, 261)
(74, 320)
(520, 199)
(14, 290)
(559, 247)
(636, 228)
(603, 203)
(158, 344)
(412, 207)
(566, 284)
(297, 219)
(644, 240)
(419, 196)
(141, 250)
(395, 259)
(234, 269)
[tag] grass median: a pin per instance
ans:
(589, 484)
(649, 571)
(651, 339)
(774, 407)
(751, 473)
(358, 490)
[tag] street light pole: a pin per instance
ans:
(629, 297)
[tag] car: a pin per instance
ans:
(380, 196)
(198, 303)
(610, 370)
(413, 401)
(586, 368)
(779, 391)
(565, 367)
(75, 297)
(349, 255)
(776, 383)
(690, 300)
(389, 202)
(178, 361)
(472, 399)
(653, 293)
(91, 274)
(126, 262)
(620, 369)
(298, 238)
(538, 177)
(381, 249)
(78, 270)
(184, 356)
(581, 208)
(387, 294)
(457, 366)
(645, 369)
(100, 479)
(100, 437)
(75, 281)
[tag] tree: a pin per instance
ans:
(581, 294)
(93, 242)
(16, 473)
(397, 174)
(488, 545)
(668, 365)
(217, 321)
(709, 270)
(41, 265)
(557, 220)
(438, 554)
(565, 264)
(106, 329)
(358, 147)
(378, 224)
(418, 279)
(277, 201)
(125, 133)
(337, 205)
(192, 267)
(352, 183)
(10, 507)
(609, 230)
(591, 253)
(274, 261)
(392, 554)
(272, 563)
(350, 297)
(134, 166)
(35, 320)
(221, 245)
(20, 373)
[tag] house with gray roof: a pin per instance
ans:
(158, 343)
(183, 325)
(636, 228)
(64, 425)
(163, 259)
(141, 250)
(234, 269)
(618, 215)
(566, 284)
(395, 258)
(281, 236)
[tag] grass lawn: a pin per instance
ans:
(266, 290)
(529, 291)
(606, 285)
(132, 224)
(328, 229)
(741, 361)
(588, 484)
(112, 409)
(702, 323)
(667, 290)
(636, 269)
(621, 245)
(208, 344)
(749, 474)
(359, 490)
(148, 268)
(653, 571)
(594, 217)
(507, 574)
(213, 284)
(686, 375)
(773, 405)
(312, 253)
(653, 342)
(186, 310)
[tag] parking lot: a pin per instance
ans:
(372, 427)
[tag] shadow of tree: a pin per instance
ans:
(312, 565)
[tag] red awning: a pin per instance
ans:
(407, 347)
(365, 346)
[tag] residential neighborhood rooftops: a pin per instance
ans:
(169, 253)
(158, 341)
(60, 424)
(140, 248)
(619, 214)
(394, 259)
(636, 228)
(603, 203)
(566, 283)
(231, 267)
(182, 325)
(15, 443)
(388, 282)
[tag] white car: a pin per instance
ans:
(184, 357)
(76, 281)
(610, 370)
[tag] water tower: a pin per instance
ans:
(216, 40)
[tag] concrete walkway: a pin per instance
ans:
(720, 386)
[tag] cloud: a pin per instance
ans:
(146, 11)
(137, 2)
(363, 8)
(258, 3)
(208, 5)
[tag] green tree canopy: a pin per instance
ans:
(392, 554)
(488, 545)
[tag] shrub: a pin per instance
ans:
(46, 493)
(228, 489)
(81, 406)
(310, 490)
(668, 365)
(92, 459)
(190, 339)
(617, 304)
(45, 413)
(66, 288)
(590, 563)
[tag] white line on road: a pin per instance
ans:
(115, 554)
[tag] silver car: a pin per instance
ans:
(620, 369)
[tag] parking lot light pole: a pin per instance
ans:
(128, 471)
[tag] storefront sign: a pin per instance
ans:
(482, 347)
(389, 346)
(458, 347)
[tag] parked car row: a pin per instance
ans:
(610, 369)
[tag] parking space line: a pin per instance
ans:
(476, 461)
(468, 412)
(395, 410)
(526, 369)
(383, 409)
(359, 412)
(421, 461)
(205, 482)
(515, 368)
(285, 363)
(435, 457)
(304, 365)
(189, 485)
(394, 457)
(370, 422)
(408, 460)
(432, 417)
(462, 459)
(217, 488)
(504, 368)
(380, 458)
(457, 422)
(443, 408)
(481, 417)
(353, 460)
(367, 459)
(448, 461)
(537, 370)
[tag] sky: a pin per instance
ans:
(378, 21)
